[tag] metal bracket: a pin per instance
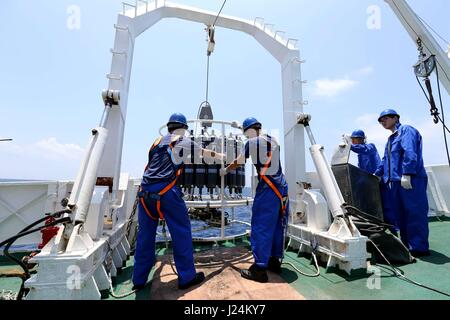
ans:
(299, 81)
(301, 102)
(121, 28)
(269, 29)
(120, 53)
(210, 30)
(281, 33)
(292, 41)
(146, 4)
(114, 76)
(125, 4)
(111, 97)
(156, 3)
(258, 19)
(304, 119)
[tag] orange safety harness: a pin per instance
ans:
(284, 200)
(157, 196)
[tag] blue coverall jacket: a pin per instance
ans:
(368, 158)
(268, 225)
(406, 209)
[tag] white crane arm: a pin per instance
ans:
(417, 29)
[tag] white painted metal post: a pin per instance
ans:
(119, 80)
(294, 140)
(81, 172)
(329, 184)
(88, 182)
(222, 186)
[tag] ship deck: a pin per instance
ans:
(222, 263)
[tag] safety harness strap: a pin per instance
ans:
(283, 200)
(152, 151)
(164, 191)
(169, 186)
(146, 209)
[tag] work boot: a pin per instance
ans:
(418, 254)
(199, 277)
(255, 273)
(138, 287)
(274, 265)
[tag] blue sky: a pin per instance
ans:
(52, 76)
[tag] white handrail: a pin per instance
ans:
(146, 4)
(125, 4)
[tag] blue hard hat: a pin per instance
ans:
(388, 112)
(249, 122)
(177, 118)
(358, 134)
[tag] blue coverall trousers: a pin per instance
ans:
(268, 227)
(176, 215)
(408, 211)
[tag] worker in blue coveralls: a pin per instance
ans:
(402, 171)
(161, 198)
(368, 158)
(270, 207)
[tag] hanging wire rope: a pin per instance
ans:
(210, 31)
(418, 36)
(220, 11)
(434, 31)
(442, 120)
(207, 79)
(443, 116)
(211, 43)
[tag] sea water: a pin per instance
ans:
(207, 231)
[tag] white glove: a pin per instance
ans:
(223, 172)
(406, 182)
(346, 141)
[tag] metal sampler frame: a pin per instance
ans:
(222, 202)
